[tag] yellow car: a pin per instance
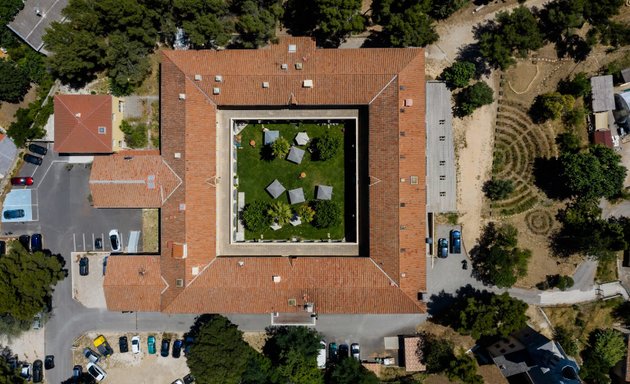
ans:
(103, 346)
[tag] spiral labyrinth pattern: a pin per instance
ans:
(539, 222)
(518, 142)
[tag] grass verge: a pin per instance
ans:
(150, 227)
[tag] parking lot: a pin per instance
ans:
(88, 290)
(134, 368)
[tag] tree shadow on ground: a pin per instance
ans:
(471, 53)
(547, 177)
(376, 39)
(266, 153)
(444, 308)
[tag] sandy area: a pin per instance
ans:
(7, 110)
(88, 290)
(150, 221)
(29, 346)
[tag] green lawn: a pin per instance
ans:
(255, 174)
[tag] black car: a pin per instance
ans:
(188, 342)
(36, 242)
(456, 241)
(98, 243)
(38, 371)
(84, 266)
(3, 247)
(49, 362)
(123, 344)
(166, 344)
(189, 379)
(177, 348)
(38, 149)
(442, 248)
(105, 265)
(13, 213)
(343, 351)
(77, 372)
(32, 159)
(25, 240)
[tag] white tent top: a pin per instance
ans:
(324, 192)
(271, 136)
(295, 155)
(275, 189)
(302, 138)
(296, 196)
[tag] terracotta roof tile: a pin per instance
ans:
(132, 179)
(77, 122)
(412, 362)
(387, 280)
(133, 283)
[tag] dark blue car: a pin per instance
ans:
(442, 248)
(456, 241)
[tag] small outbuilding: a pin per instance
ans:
(296, 196)
(271, 136)
(324, 192)
(602, 93)
(302, 138)
(275, 189)
(295, 155)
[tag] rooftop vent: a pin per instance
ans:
(292, 302)
(198, 77)
(241, 263)
(128, 157)
(292, 48)
(218, 78)
(178, 155)
(414, 180)
(195, 271)
(151, 181)
(307, 83)
(284, 66)
(298, 66)
(265, 84)
(102, 130)
(216, 90)
(408, 102)
(179, 283)
(276, 278)
(182, 96)
(77, 115)
(182, 206)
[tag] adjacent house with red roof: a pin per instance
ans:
(87, 124)
(192, 273)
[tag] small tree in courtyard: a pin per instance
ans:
(280, 148)
(327, 214)
(498, 189)
(459, 74)
(473, 97)
(305, 212)
(327, 146)
(280, 212)
(255, 216)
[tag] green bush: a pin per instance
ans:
(280, 212)
(255, 216)
(459, 74)
(305, 212)
(327, 146)
(280, 148)
(327, 214)
(135, 134)
(498, 189)
(473, 97)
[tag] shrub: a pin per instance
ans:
(305, 212)
(579, 86)
(255, 216)
(135, 134)
(280, 212)
(280, 148)
(327, 146)
(327, 214)
(566, 340)
(498, 189)
(459, 74)
(473, 97)
(552, 105)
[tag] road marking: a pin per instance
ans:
(83, 241)
(74, 241)
(122, 247)
(93, 248)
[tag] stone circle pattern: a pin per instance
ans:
(539, 222)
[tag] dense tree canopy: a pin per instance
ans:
(257, 22)
(459, 74)
(8, 10)
(436, 353)
(337, 19)
(327, 214)
(578, 86)
(255, 216)
(350, 371)
(498, 189)
(27, 281)
(327, 146)
(128, 63)
(491, 315)
(15, 82)
(551, 105)
(473, 97)
(441, 9)
(405, 23)
(607, 347)
(464, 368)
(496, 259)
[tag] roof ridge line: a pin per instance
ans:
(199, 88)
(96, 136)
(187, 285)
(384, 273)
(176, 175)
(383, 89)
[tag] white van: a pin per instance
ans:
(321, 358)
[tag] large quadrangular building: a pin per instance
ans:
(195, 272)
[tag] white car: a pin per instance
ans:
(96, 372)
(114, 238)
(321, 357)
(135, 344)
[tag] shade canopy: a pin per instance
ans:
(295, 155)
(302, 138)
(296, 196)
(324, 192)
(275, 189)
(271, 136)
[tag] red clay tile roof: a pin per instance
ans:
(77, 122)
(603, 137)
(133, 283)
(132, 179)
(412, 362)
(389, 278)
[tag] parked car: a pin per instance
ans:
(332, 351)
(98, 243)
(114, 237)
(84, 266)
(177, 348)
(166, 344)
(22, 180)
(38, 149)
(123, 344)
(355, 351)
(25, 240)
(151, 345)
(37, 322)
(189, 379)
(26, 371)
(178, 381)
(442, 248)
(103, 346)
(92, 356)
(321, 357)
(343, 351)
(38, 371)
(96, 372)
(3, 247)
(135, 344)
(49, 362)
(32, 159)
(77, 372)
(36, 242)
(188, 342)
(456, 241)
(13, 213)
(105, 265)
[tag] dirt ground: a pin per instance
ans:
(139, 368)
(7, 110)
(255, 340)
(150, 230)
(29, 346)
